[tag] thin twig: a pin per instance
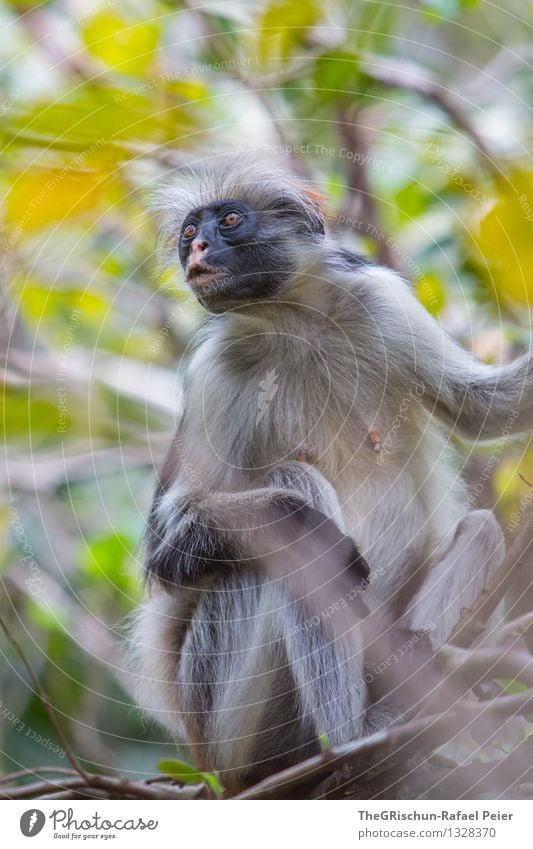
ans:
(105, 786)
(9, 777)
(31, 791)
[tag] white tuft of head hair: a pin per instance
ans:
(253, 178)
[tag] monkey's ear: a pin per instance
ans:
(318, 207)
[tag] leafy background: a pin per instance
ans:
(413, 117)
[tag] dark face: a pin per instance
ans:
(231, 256)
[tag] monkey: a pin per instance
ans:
(290, 509)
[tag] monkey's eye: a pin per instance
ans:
(189, 231)
(231, 219)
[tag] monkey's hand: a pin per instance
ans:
(273, 531)
(401, 669)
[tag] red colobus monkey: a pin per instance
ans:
(288, 488)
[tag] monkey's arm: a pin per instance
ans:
(278, 529)
(474, 398)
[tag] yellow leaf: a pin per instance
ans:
(513, 493)
(504, 244)
(39, 301)
(193, 88)
(43, 196)
(431, 294)
(94, 115)
(126, 46)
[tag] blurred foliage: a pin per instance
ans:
(98, 103)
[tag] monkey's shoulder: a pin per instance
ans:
(346, 260)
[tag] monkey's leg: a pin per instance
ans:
(269, 665)
(325, 649)
(456, 581)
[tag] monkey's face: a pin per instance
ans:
(234, 254)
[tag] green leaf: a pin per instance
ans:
(338, 73)
(108, 557)
(512, 686)
(324, 742)
(187, 774)
(31, 419)
(412, 200)
(49, 614)
(283, 26)
(38, 197)
(440, 11)
(40, 302)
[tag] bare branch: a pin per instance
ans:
(361, 202)
(10, 777)
(104, 787)
(409, 76)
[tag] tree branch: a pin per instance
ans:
(409, 76)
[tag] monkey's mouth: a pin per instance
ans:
(203, 277)
(201, 273)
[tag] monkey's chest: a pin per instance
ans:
(299, 402)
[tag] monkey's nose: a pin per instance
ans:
(199, 247)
